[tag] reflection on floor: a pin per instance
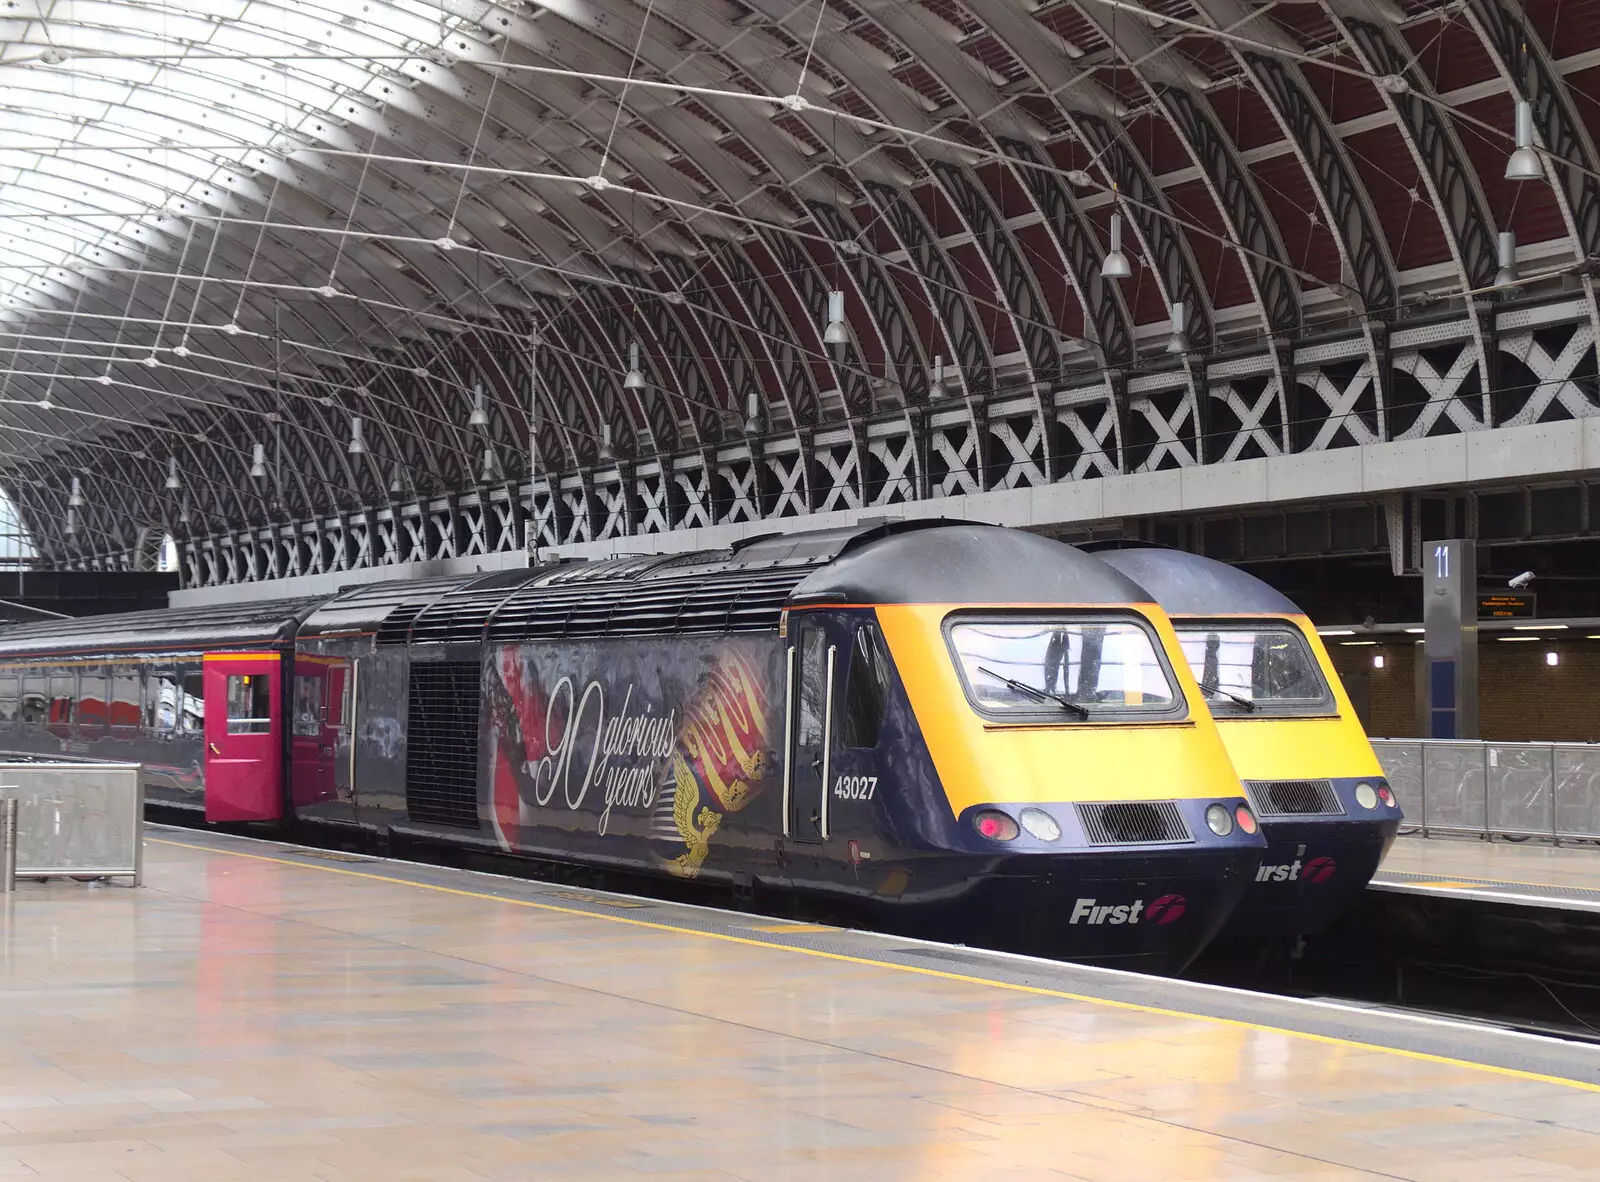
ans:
(245, 1017)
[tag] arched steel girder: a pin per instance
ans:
(691, 379)
(1458, 199)
(810, 290)
(1106, 316)
(1272, 282)
(796, 385)
(958, 321)
(1524, 62)
(1168, 79)
(737, 365)
(1154, 222)
(1012, 279)
(898, 341)
(575, 406)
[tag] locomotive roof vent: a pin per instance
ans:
(1294, 798)
(1133, 822)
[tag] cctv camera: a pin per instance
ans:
(1520, 581)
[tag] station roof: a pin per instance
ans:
(234, 234)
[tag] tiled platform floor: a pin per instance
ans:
(248, 1017)
(1528, 872)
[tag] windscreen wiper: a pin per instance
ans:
(1245, 702)
(1037, 694)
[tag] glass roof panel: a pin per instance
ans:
(204, 83)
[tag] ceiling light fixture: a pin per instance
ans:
(258, 462)
(635, 378)
(1507, 259)
(75, 498)
(836, 332)
(358, 444)
(1524, 164)
(173, 483)
(1115, 265)
(1178, 342)
(937, 390)
(479, 416)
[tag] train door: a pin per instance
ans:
(811, 658)
(244, 737)
(340, 727)
(310, 745)
(322, 773)
(321, 783)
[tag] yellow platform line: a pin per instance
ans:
(1035, 990)
(785, 929)
(1454, 885)
(1490, 882)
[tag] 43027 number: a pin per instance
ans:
(855, 787)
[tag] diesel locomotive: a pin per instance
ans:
(961, 730)
(1327, 811)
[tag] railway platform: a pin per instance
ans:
(1519, 874)
(259, 1011)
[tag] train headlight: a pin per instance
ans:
(1385, 795)
(1366, 796)
(995, 825)
(1219, 820)
(1040, 824)
(1246, 819)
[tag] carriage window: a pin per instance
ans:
(1065, 668)
(35, 707)
(1254, 669)
(808, 724)
(122, 709)
(63, 697)
(161, 694)
(249, 704)
(867, 693)
(192, 703)
(340, 689)
(308, 705)
(8, 698)
(92, 699)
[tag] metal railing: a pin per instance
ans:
(83, 820)
(1549, 791)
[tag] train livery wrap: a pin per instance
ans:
(963, 731)
(665, 743)
(1326, 810)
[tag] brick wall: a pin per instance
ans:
(1386, 699)
(1520, 696)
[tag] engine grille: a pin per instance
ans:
(1133, 822)
(442, 743)
(1294, 798)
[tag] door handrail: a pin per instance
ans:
(827, 741)
(788, 737)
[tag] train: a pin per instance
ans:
(959, 730)
(1327, 811)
